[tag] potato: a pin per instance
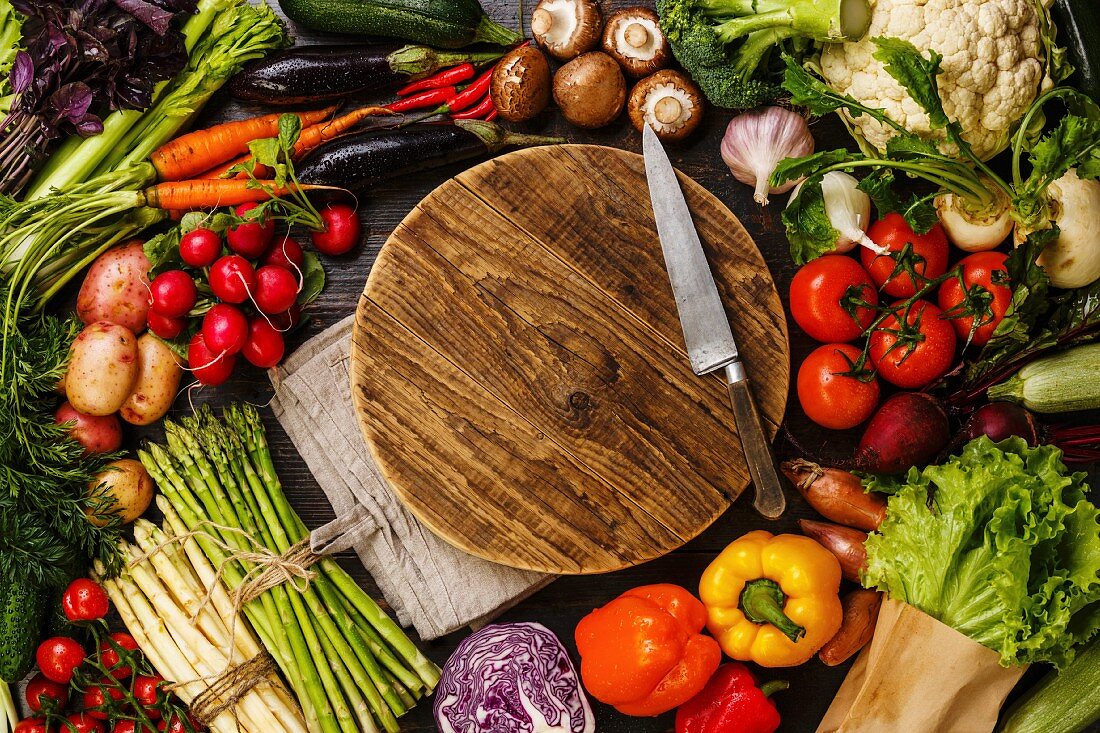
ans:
(128, 483)
(116, 288)
(158, 378)
(97, 433)
(102, 369)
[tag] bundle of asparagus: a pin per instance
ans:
(350, 665)
(171, 601)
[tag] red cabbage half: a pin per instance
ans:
(511, 678)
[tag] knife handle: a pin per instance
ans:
(769, 500)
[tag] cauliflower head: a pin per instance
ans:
(993, 67)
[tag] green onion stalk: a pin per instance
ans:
(7, 703)
(350, 665)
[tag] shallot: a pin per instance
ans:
(755, 142)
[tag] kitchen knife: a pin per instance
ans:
(707, 333)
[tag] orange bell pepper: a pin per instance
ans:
(643, 652)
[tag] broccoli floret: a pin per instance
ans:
(725, 45)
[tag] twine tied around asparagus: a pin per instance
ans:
(228, 688)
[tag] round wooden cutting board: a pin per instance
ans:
(519, 371)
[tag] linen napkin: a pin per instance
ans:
(431, 585)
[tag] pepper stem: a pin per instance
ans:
(762, 603)
(773, 686)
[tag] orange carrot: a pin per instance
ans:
(199, 150)
(310, 139)
(207, 193)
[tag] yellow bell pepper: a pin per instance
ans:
(773, 600)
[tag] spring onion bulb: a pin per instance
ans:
(755, 142)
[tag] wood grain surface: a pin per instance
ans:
(520, 375)
(564, 602)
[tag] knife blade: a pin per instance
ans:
(707, 333)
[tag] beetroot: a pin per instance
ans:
(909, 429)
(1000, 420)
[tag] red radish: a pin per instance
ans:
(276, 289)
(173, 293)
(252, 238)
(288, 319)
(1000, 420)
(836, 494)
(165, 327)
(232, 279)
(910, 429)
(287, 254)
(265, 346)
(209, 367)
(224, 328)
(845, 543)
(200, 247)
(97, 433)
(342, 230)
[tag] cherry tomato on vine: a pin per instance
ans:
(83, 722)
(40, 688)
(817, 292)
(97, 696)
(129, 726)
(84, 600)
(109, 658)
(893, 232)
(828, 396)
(918, 357)
(58, 656)
(31, 725)
(989, 303)
(147, 692)
(174, 724)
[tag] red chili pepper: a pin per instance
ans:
(493, 114)
(446, 78)
(423, 100)
(731, 703)
(469, 96)
(478, 111)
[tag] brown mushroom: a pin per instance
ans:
(590, 90)
(668, 102)
(634, 39)
(567, 28)
(520, 87)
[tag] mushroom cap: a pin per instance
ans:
(590, 90)
(633, 37)
(669, 102)
(566, 28)
(520, 86)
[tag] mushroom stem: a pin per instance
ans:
(668, 110)
(636, 35)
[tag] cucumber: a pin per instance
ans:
(441, 23)
(1062, 702)
(21, 607)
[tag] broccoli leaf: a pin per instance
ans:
(1001, 544)
(810, 232)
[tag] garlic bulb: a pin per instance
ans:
(755, 141)
(848, 209)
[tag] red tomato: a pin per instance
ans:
(892, 232)
(977, 270)
(147, 692)
(129, 726)
(58, 656)
(174, 724)
(816, 294)
(831, 398)
(40, 689)
(84, 600)
(83, 722)
(917, 360)
(96, 699)
(110, 659)
(31, 725)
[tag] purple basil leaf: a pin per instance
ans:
(89, 126)
(22, 72)
(156, 18)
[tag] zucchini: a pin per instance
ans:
(1078, 23)
(21, 606)
(1060, 383)
(1061, 702)
(440, 23)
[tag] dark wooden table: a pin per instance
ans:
(565, 601)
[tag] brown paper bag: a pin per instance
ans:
(920, 676)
